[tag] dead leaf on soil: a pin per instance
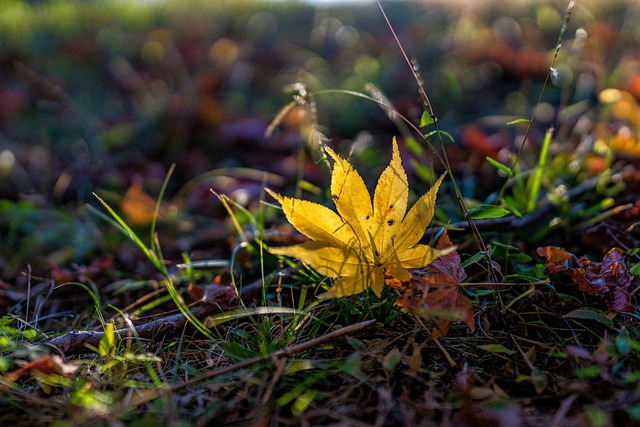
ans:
(49, 364)
(82, 273)
(215, 293)
(138, 207)
(609, 279)
(434, 291)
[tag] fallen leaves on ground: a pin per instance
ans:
(434, 291)
(138, 207)
(82, 273)
(49, 364)
(213, 293)
(609, 279)
(363, 240)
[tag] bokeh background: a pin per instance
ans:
(104, 96)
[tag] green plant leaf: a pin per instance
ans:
(473, 259)
(426, 119)
(504, 168)
(488, 211)
(441, 132)
(635, 269)
(108, 340)
(30, 334)
(238, 351)
(302, 402)
(590, 314)
(516, 121)
(414, 146)
(535, 181)
(511, 204)
(496, 348)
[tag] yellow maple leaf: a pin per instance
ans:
(363, 240)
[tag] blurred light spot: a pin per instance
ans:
(601, 147)
(80, 148)
(172, 210)
(62, 184)
(16, 19)
(625, 132)
(262, 25)
(583, 125)
(224, 52)
(39, 159)
(64, 17)
(504, 155)
(561, 190)
(563, 75)
(579, 40)
(574, 167)
(507, 29)
(152, 52)
(242, 196)
(7, 160)
(610, 95)
(316, 65)
(548, 18)
(366, 66)
(545, 112)
(347, 36)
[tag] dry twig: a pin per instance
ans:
(80, 342)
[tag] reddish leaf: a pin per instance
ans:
(448, 269)
(609, 278)
(50, 364)
(557, 258)
(587, 279)
(138, 207)
(452, 300)
(613, 267)
(196, 292)
(618, 300)
(434, 292)
(215, 293)
(82, 273)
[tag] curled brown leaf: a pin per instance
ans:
(609, 279)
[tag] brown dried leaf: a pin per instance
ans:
(557, 258)
(219, 292)
(609, 278)
(138, 207)
(446, 269)
(49, 364)
(434, 291)
(82, 273)
(454, 303)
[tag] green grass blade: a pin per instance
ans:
(132, 235)
(536, 178)
(163, 188)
